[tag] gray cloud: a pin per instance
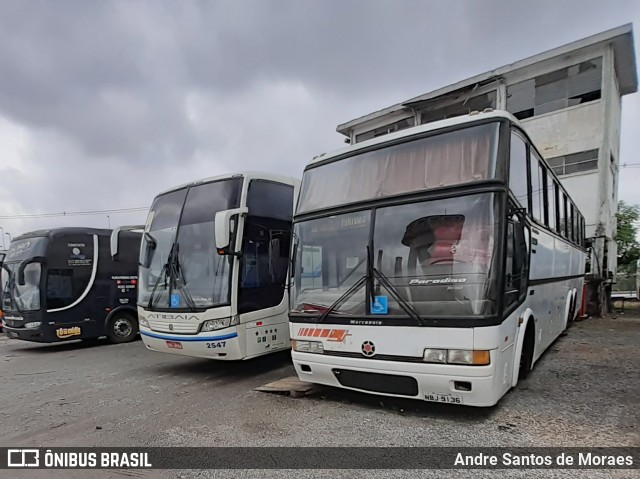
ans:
(119, 100)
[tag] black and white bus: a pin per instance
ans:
(69, 283)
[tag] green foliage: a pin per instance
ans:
(628, 246)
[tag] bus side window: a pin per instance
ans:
(516, 261)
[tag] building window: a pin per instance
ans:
(385, 130)
(464, 105)
(556, 90)
(574, 163)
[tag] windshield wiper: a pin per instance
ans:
(393, 292)
(14, 294)
(343, 297)
(177, 273)
(163, 277)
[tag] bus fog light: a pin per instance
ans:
(463, 356)
(435, 356)
(34, 325)
(307, 346)
(143, 322)
(214, 324)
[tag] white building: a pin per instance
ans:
(569, 100)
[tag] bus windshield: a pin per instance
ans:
(437, 255)
(26, 297)
(179, 265)
(445, 159)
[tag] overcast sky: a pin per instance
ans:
(104, 104)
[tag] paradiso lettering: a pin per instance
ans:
(64, 333)
(333, 335)
(437, 281)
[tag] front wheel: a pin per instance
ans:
(122, 328)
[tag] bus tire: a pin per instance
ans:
(528, 345)
(122, 328)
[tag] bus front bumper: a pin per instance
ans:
(223, 344)
(37, 335)
(444, 383)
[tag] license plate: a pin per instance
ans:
(174, 344)
(445, 398)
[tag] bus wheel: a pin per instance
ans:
(526, 357)
(122, 328)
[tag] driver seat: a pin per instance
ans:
(444, 248)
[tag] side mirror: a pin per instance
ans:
(115, 237)
(148, 244)
(223, 230)
(23, 266)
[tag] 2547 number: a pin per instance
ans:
(219, 344)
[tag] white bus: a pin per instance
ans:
(435, 263)
(213, 267)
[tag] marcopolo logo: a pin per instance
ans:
(427, 282)
(23, 458)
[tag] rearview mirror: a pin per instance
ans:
(224, 230)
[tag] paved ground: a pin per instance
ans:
(584, 392)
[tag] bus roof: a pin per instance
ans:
(250, 175)
(463, 120)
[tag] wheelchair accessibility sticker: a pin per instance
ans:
(175, 300)
(380, 305)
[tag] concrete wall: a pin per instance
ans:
(567, 131)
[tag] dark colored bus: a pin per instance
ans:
(68, 283)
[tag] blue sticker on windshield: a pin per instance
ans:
(175, 300)
(380, 305)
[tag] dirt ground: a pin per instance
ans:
(584, 391)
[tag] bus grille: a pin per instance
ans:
(379, 383)
(379, 357)
(174, 327)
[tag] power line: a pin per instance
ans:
(74, 213)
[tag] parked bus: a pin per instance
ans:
(213, 267)
(63, 284)
(438, 262)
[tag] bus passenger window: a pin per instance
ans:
(518, 170)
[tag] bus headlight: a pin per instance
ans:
(435, 356)
(307, 346)
(214, 324)
(463, 356)
(34, 325)
(143, 321)
(457, 356)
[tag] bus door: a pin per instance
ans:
(70, 274)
